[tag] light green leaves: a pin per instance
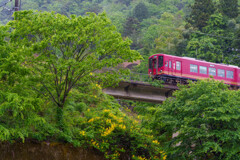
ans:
(61, 51)
(206, 117)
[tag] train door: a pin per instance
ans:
(178, 68)
(238, 79)
(154, 66)
(171, 68)
(174, 67)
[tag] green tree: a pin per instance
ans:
(201, 12)
(118, 19)
(229, 8)
(235, 58)
(209, 45)
(63, 52)
(39, 2)
(126, 2)
(157, 2)
(140, 11)
(131, 27)
(19, 104)
(169, 31)
(205, 117)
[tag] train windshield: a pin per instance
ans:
(160, 61)
(150, 63)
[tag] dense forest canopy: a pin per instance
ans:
(203, 29)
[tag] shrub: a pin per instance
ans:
(206, 117)
(118, 136)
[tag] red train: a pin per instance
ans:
(174, 69)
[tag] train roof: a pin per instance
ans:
(197, 60)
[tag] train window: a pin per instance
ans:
(150, 63)
(202, 70)
(221, 73)
(178, 65)
(193, 68)
(160, 61)
(166, 64)
(212, 71)
(170, 64)
(230, 74)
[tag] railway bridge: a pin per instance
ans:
(141, 91)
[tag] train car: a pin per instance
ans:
(174, 69)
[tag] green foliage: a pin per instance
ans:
(126, 2)
(131, 27)
(115, 134)
(229, 8)
(169, 32)
(140, 11)
(235, 45)
(19, 104)
(37, 48)
(61, 52)
(156, 83)
(106, 127)
(205, 116)
(211, 48)
(157, 2)
(49, 67)
(201, 12)
(117, 11)
(118, 19)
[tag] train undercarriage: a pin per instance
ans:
(174, 80)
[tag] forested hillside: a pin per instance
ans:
(204, 29)
(49, 92)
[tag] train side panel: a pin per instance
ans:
(190, 68)
(238, 77)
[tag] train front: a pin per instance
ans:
(155, 65)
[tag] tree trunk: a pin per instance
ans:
(59, 118)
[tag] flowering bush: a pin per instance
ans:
(118, 136)
(105, 126)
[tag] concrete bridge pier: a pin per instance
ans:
(141, 91)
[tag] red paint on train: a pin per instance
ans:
(163, 66)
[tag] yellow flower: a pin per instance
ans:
(135, 122)
(106, 110)
(165, 157)
(90, 120)
(122, 126)
(109, 130)
(97, 85)
(82, 133)
(108, 121)
(155, 141)
(141, 158)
